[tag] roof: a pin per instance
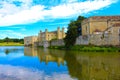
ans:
(98, 18)
(116, 25)
(105, 17)
(97, 30)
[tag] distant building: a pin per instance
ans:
(30, 40)
(103, 30)
(47, 36)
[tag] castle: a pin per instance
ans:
(47, 36)
(102, 30)
(30, 40)
(44, 37)
(99, 24)
(96, 30)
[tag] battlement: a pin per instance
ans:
(102, 18)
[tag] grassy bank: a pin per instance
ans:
(11, 44)
(84, 48)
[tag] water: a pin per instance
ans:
(23, 63)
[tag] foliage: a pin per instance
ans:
(88, 48)
(74, 30)
(57, 47)
(7, 39)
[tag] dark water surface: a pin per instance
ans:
(23, 63)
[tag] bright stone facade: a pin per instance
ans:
(47, 36)
(103, 30)
(30, 40)
(44, 38)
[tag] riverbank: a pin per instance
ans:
(88, 48)
(11, 44)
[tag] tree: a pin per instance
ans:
(6, 40)
(74, 30)
(78, 24)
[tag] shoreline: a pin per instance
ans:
(11, 44)
(88, 48)
(80, 48)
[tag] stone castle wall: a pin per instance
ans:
(82, 40)
(106, 39)
(59, 42)
(30, 40)
(98, 23)
(48, 36)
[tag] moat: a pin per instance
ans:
(25, 63)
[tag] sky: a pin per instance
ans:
(20, 18)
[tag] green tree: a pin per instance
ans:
(7, 40)
(74, 30)
(1, 40)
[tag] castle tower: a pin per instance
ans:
(46, 34)
(40, 36)
(58, 33)
(40, 31)
(63, 33)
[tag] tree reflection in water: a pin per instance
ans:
(82, 66)
(7, 51)
(93, 66)
(74, 67)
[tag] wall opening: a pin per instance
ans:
(119, 36)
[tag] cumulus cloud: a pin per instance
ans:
(11, 14)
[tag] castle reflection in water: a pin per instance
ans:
(83, 66)
(45, 55)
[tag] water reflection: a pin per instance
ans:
(7, 51)
(93, 66)
(82, 66)
(46, 55)
(29, 51)
(57, 65)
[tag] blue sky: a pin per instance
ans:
(20, 18)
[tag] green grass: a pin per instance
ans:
(57, 47)
(11, 44)
(88, 48)
(95, 48)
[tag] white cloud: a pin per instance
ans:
(10, 14)
(11, 33)
(26, 74)
(66, 29)
(11, 57)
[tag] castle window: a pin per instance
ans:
(27, 41)
(119, 34)
(86, 28)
